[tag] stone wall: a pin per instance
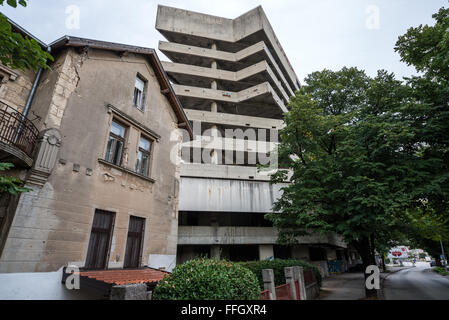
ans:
(15, 86)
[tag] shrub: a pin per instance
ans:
(441, 271)
(205, 279)
(278, 266)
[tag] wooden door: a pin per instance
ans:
(134, 242)
(100, 240)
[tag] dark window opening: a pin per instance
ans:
(317, 254)
(100, 240)
(240, 253)
(282, 252)
(223, 219)
(339, 255)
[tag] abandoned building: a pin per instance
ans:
(94, 137)
(91, 137)
(232, 76)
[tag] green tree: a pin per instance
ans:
(347, 144)
(427, 49)
(16, 51)
(10, 185)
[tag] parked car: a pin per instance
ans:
(433, 263)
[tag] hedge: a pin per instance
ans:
(278, 266)
(206, 279)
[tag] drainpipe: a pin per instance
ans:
(33, 89)
(30, 98)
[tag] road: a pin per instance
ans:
(419, 283)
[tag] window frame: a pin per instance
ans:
(144, 91)
(147, 152)
(122, 139)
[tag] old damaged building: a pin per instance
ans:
(92, 140)
(235, 81)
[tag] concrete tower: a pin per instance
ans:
(234, 80)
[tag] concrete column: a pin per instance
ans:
(268, 282)
(215, 252)
(298, 274)
(214, 108)
(290, 279)
(266, 252)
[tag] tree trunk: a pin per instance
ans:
(366, 252)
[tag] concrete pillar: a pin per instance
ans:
(215, 252)
(214, 108)
(290, 279)
(266, 252)
(298, 274)
(268, 282)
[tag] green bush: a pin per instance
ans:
(205, 279)
(441, 271)
(278, 266)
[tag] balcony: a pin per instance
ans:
(18, 137)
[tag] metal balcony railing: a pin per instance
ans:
(16, 130)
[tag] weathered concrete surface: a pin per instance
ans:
(196, 170)
(258, 70)
(52, 224)
(214, 195)
(172, 20)
(245, 235)
(235, 120)
(260, 90)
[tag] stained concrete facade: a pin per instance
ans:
(89, 85)
(232, 76)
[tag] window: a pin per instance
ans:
(139, 93)
(100, 240)
(143, 157)
(116, 143)
(134, 242)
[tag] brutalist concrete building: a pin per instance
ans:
(234, 81)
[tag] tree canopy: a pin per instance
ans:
(346, 142)
(16, 51)
(369, 155)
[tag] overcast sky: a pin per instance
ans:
(315, 34)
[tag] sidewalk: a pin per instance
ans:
(345, 286)
(350, 286)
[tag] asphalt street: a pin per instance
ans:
(418, 283)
